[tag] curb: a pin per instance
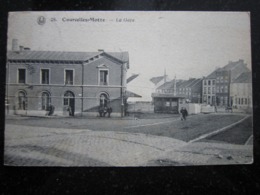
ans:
(219, 130)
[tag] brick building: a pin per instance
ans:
(82, 81)
(216, 86)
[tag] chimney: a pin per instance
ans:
(101, 50)
(27, 49)
(15, 45)
(21, 48)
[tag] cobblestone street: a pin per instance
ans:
(156, 142)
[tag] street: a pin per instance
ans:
(151, 141)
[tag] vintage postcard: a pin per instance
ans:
(128, 88)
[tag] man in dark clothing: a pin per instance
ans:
(184, 113)
(104, 111)
(109, 111)
(51, 110)
(100, 110)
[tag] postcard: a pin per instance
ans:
(128, 89)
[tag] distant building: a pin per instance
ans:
(241, 91)
(171, 95)
(81, 81)
(216, 86)
(191, 89)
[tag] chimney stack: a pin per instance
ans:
(21, 48)
(15, 45)
(101, 50)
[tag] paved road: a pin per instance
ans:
(195, 125)
(113, 142)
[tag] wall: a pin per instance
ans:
(141, 107)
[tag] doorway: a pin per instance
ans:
(69, 102)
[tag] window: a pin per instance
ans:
(104, 99)
(226, 89)
(45, 76)
(68, 77)
(22, 101)
(213, 82)
(238, 100)
(205, 90)
(209, 83)
(225, 100)
(21, 75)
(221, 79)
(68, 98)
(221, 89)
(242, 101)
(221, 99)
(45, 100)
(217, 90)
(213, 90)
(205, 82)
(246, 101)
(208, 90)
(103, 77)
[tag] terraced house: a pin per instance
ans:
(216, 86)
(81, 81)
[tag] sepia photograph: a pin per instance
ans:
(128, 89)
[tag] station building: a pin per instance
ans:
(81, 81)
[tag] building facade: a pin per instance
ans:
(190, 89)
(81, 81)
(241, 92)
(216, 86)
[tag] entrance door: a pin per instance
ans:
(69, 101)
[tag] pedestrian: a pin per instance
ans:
(109, 111)
(51, 110)
(70, 110)
(216, 109)
(184, 113)
(105, 111)
(100, 111)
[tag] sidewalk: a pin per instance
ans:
(30, 146)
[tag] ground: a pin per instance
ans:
(141, 140)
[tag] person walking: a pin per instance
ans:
(184, 113)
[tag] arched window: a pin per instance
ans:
(46, 100)
(68, 97)
(22, 100)
(103, 99)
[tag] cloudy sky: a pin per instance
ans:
(186, 44)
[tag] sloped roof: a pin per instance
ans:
(132, 94)
(156, 80)
(132, 77)
(186, 83)
(227, 67)
(167, 85)
(62, 55)
(245, 77)
(213, 75)
(232, 65)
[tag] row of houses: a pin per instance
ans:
(229, 86)
(75, 82)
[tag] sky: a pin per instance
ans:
(185, 44)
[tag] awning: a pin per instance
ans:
(131, 94)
